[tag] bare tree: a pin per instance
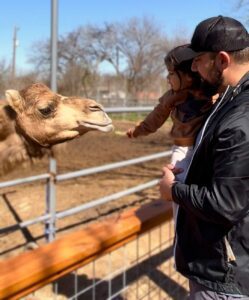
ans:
(143, 45)
(40, 57)
(81, 53)
(19, 82)
(78, 60)
(135, 50)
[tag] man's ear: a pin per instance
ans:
(223, 60)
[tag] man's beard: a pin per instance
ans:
(210, 89)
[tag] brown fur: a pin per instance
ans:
(36, 118)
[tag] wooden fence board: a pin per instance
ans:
(29, 271)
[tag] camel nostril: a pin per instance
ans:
(94, 108)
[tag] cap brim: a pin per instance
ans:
(190, 53)
(183, 53)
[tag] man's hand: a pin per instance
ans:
(165, 184)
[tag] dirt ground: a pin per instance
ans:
(26, 202)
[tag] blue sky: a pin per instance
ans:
(33, 18)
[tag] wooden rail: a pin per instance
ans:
(29, 271)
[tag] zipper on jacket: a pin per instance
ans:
(201, 133)
(230, 257)
(199, 139)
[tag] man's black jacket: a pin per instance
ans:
(212, 232)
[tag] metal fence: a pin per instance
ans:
(141, 269)
(127, 256)
(148, 275)
(52, 178)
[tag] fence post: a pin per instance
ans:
(50, 225)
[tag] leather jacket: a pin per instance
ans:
(212, 230)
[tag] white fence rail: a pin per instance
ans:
(84, 172)
(51, 178)
(147, 275)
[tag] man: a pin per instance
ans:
(212, 227)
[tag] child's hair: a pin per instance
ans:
(180, 59)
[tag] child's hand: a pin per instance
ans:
(129, 133)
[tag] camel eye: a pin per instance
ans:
(46, 111)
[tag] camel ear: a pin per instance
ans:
(62, 97)
(14, 99)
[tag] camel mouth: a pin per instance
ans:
(104, 127)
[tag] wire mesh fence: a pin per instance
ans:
(141, 269)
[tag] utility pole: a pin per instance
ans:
(15, 45)
(54, 38)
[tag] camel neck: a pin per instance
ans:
(33, 148)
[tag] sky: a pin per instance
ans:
(32, 18)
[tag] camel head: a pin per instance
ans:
(47, 118)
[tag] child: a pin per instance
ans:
(185, 103)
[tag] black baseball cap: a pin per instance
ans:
(179, 55)
(219, 34)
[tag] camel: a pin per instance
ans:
(35, 118)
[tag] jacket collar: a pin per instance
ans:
(241, 85)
